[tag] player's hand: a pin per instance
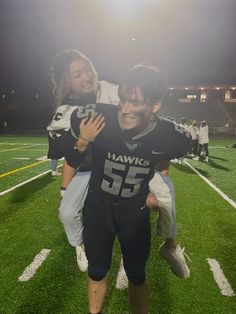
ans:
(152, 202)
(91, 127)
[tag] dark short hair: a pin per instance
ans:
(148, 78)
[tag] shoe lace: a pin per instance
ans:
(185, 254)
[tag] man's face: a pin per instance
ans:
(135, 112)
(82, 78)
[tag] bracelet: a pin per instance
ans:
(85, 139)
(83, 149)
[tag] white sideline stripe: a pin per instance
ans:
(225, 197)
(30, 270)
(27, 181)
(221, 280)
(21, 158)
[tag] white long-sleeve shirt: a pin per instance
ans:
(194, 132)
(203, 136)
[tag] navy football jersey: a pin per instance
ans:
(123, 163)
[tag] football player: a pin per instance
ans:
(129, 145)
(75, 84)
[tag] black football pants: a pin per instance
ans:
(128, 220)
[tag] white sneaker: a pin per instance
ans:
(81, 258)
(55, 173)
(206, 159)
(196, 158)
(175, 257)
(121, 279)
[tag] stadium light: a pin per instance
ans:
(130, 8)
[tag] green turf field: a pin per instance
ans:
(29, 223)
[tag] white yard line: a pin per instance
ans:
(42, 158)
(213, 186)
(18, 148)
(27, 181)
(21, 158)
(35, 150)
(32, 268)
(221, 280)
(24, 182)
(21, 144)
(218, 147)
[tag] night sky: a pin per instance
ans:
(193, 41)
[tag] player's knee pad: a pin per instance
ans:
(136, 278)
(97, 273)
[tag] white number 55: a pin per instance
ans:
(116, 185)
